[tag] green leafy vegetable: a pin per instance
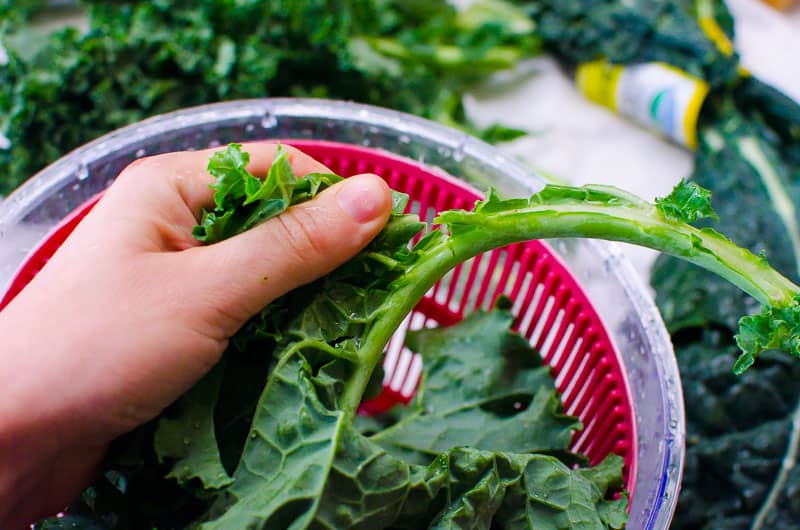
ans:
(506, 402)
(303, 464)
(688, 202)
(175, 438)
(749, 158)
(141, 58)
(260, 199)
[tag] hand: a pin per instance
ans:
(131, 311)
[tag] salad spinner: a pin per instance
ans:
(579, 302)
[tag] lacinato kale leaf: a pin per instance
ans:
(749, 158)
(675, 32)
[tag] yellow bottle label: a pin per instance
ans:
(655, 95)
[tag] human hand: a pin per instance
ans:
(132, 311)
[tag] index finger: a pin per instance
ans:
(186, 171)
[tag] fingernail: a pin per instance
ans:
(362, 197)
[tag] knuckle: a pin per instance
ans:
(144, 168)
(301, 234)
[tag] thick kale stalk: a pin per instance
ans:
(557, 211)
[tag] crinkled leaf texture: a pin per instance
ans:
(144, 58)
(501, 402)
(687, 202)
(774, 328)
(484, 445)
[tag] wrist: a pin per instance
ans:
(37, 454)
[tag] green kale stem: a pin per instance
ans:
(448, 56)
(562, 212)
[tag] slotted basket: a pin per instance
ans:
(553, 312)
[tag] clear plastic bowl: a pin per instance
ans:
(608, 279)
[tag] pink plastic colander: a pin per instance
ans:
(552, 311)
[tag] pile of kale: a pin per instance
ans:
(139, 59)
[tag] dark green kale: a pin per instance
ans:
(673, 32)
(141, 58)
(749, 158)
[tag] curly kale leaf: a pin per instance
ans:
(773, 328)
(142, 58)
(687, 202)
(242, 200)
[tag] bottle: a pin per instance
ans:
(655, 95)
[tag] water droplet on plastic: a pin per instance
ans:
(140, 153)
(444, 151)
(404, 139)
(187, 441)
(214, 143)
(82, 173)
(458, 154)
(253, 435)
(268, 120)
(250, 127)
(517, 405)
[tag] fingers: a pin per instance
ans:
(242, 274)
(186, 173)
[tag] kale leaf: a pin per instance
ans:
(687, 202)
(506, 402)
(747, 160)
(142, 58)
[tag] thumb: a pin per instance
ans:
(241, 275)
